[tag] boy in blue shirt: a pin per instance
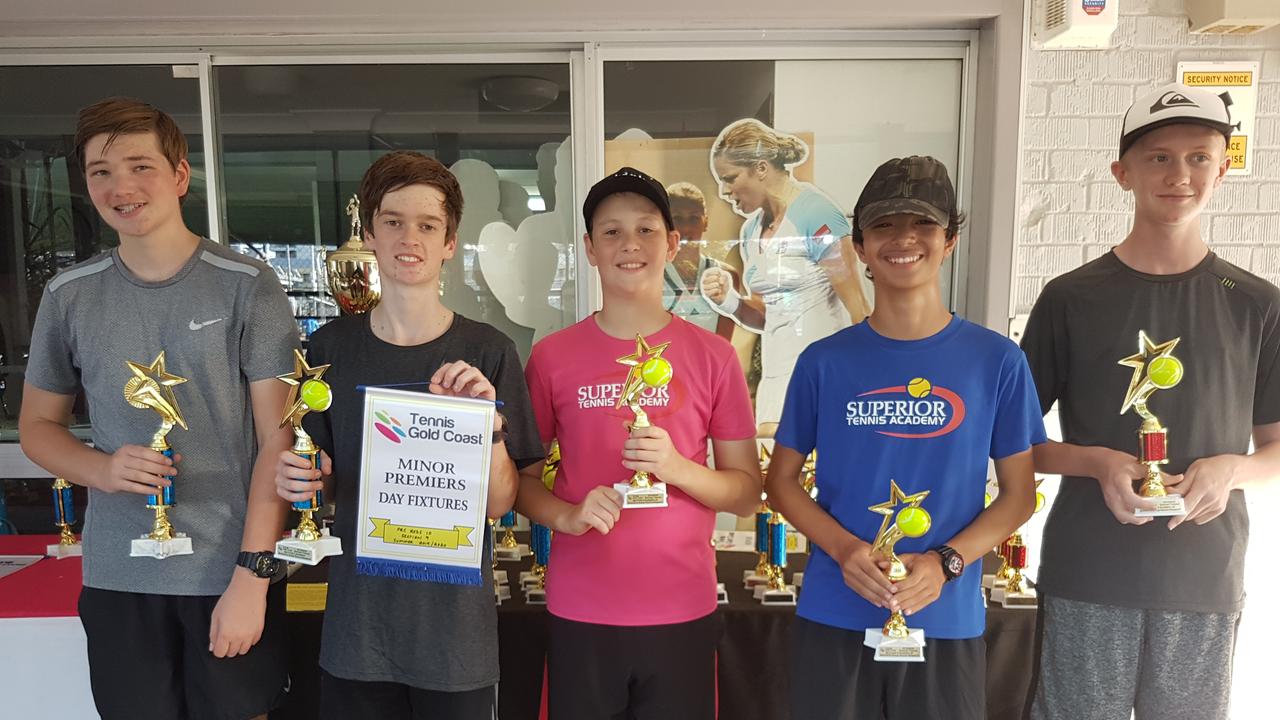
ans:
(919, 396)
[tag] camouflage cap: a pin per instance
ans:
(916, 185)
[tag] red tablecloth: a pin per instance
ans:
(49, 588)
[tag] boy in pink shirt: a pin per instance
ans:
(632, 593)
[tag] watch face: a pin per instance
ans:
(267, 566)
(955, 564)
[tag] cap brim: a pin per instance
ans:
(1127, 141)
(900, 206)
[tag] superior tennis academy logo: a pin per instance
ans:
(606, 395)
(390, 427)
(919, 411)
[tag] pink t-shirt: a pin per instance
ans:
(656, 566)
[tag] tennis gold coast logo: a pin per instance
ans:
(916, 411)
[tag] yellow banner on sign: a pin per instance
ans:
(1223, 79)
(1238, 150)
(459, 536)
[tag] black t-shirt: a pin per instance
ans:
(1083, 324)
(427, 635)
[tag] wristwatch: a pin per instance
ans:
(262, 564)
(952, 563)
(501, 434)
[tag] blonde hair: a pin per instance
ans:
(748, 141)
(687, 191)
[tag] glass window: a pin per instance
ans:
(764, 213)
(48, 220)
(297, 139)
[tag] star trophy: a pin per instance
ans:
(535, 589)
(507, 549)
(648, 370)
(776, 591)
(1009, 587)
(307, 544)
(896, 642)
(151, 388)
(353, 270)
(1154, 368)
(64, 516)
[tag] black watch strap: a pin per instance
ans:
(501, 434)
(261, 564)
(952, 563)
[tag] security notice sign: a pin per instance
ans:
(1240, 79)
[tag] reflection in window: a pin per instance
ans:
(764, 161)
(48, 220)
(297, 139)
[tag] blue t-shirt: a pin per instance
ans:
(926, 413)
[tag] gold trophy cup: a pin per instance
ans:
(308, 544)
(903, 517)
(648, 370)
(353, 270)
(1154, 368)
(150, 387)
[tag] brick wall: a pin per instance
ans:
(1071, 210)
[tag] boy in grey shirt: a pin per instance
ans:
(1139, 614)
(190, 635)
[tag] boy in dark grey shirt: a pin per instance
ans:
(189, 635)
(1140, 615)
(395, 648)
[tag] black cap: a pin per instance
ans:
(916, 185)
(628, 179)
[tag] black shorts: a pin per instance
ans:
(834, 676)
(342, 699)
(149, 658)
(654, 672)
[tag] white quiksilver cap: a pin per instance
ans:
(1175, 104)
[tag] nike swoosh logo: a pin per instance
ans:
(196, 326)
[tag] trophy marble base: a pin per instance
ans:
(797, 579)
(500, 577)
(512, 554)
(535, 596)
(160, 549)
(722, 595)
(59, 551)
(990, 581)
(1167, 506)
(500, 593)
(908, 649)
(635, 498)
(528, 579)
(1025, 600)
(308, 552)
(750, 580)
(771, 596)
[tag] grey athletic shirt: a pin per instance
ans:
(223, 322)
